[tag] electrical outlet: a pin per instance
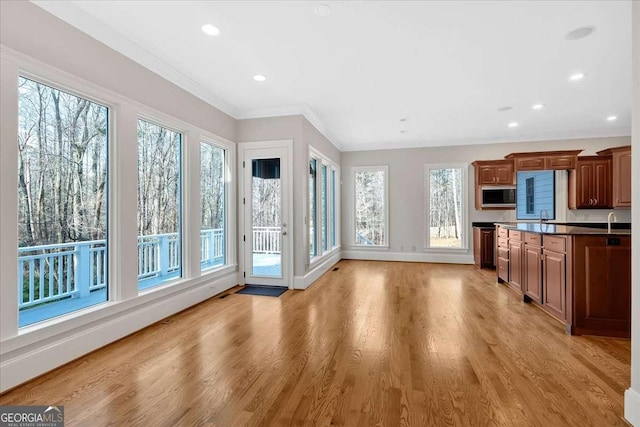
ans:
(413, 248)
(401, 248)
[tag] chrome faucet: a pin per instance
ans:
(611, 214)
(544, 218)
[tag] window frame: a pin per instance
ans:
(464, 214)
(227, 173)
(374, 168)
(182, 189)
(75, 87)
(322, 162)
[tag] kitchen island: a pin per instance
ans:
(579, 275)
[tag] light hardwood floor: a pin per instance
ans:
(374, 343)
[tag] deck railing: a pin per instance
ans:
(266, 240)
(50, 273)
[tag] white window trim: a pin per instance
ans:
(337, 185)
(354, 170)
(321, 254)
(465, 229)
(229, 202)
(123, 293)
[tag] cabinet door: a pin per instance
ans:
(622, 179)
(486, 248)
(601, 188)
(532, 280)
(486, 175)
(503, 269)
(584, 180)
(554, 284)
(477, 247)
(515, 265)
(504, 174)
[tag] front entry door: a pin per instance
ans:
(266, 235)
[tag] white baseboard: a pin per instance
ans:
(27, 363)
(439, 257)
(303, 282)
(632, 407)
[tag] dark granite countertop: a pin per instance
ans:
(550, 228)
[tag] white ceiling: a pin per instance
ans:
(447, 66)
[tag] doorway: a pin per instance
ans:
(267, 233)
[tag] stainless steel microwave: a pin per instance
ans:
(498, 196)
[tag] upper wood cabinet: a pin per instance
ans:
(544, 160)
(621, 166)
(590, 183)
(494, 172)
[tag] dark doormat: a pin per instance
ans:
(267, 291)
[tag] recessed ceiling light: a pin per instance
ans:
(537, 106)
(505, 108)
(322, 10)
(404, 131)
(259, 78)
(513, 125)
(577, 77)
(580, 33)
(612, 118)
(404, 119)
(210, 30)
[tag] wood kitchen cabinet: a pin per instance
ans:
(494, 172)
(516, 270)
(621, 168)
(590, 183)
(483, 247)
(554, 281)
(532, 263)
(544, 160)
(502, 254)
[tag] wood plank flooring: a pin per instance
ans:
(374, 343)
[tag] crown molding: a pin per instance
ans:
(85, 22)
(291, 110)
(547, 136)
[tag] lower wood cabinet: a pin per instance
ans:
(532, 283)
(555, 283)
(483, 247)
(516, 269)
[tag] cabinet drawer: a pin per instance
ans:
(530, 163)
(503, 232)
(515, 235)
(555, 243)
(560, 162)
(533, 239)
(503, 242)
(503, 253)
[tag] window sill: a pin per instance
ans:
(313, 262)
(371, 247)
(445, 249)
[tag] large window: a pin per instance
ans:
(446, 210)
(62, 202)
(325, 202)
(313, 212)
(371, 206)
(535, 193)
(159, 226)
(213, 229)
(323, 199)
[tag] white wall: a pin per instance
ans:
(406, 192)
(31, 40)
(304, 135)
(632, 395)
